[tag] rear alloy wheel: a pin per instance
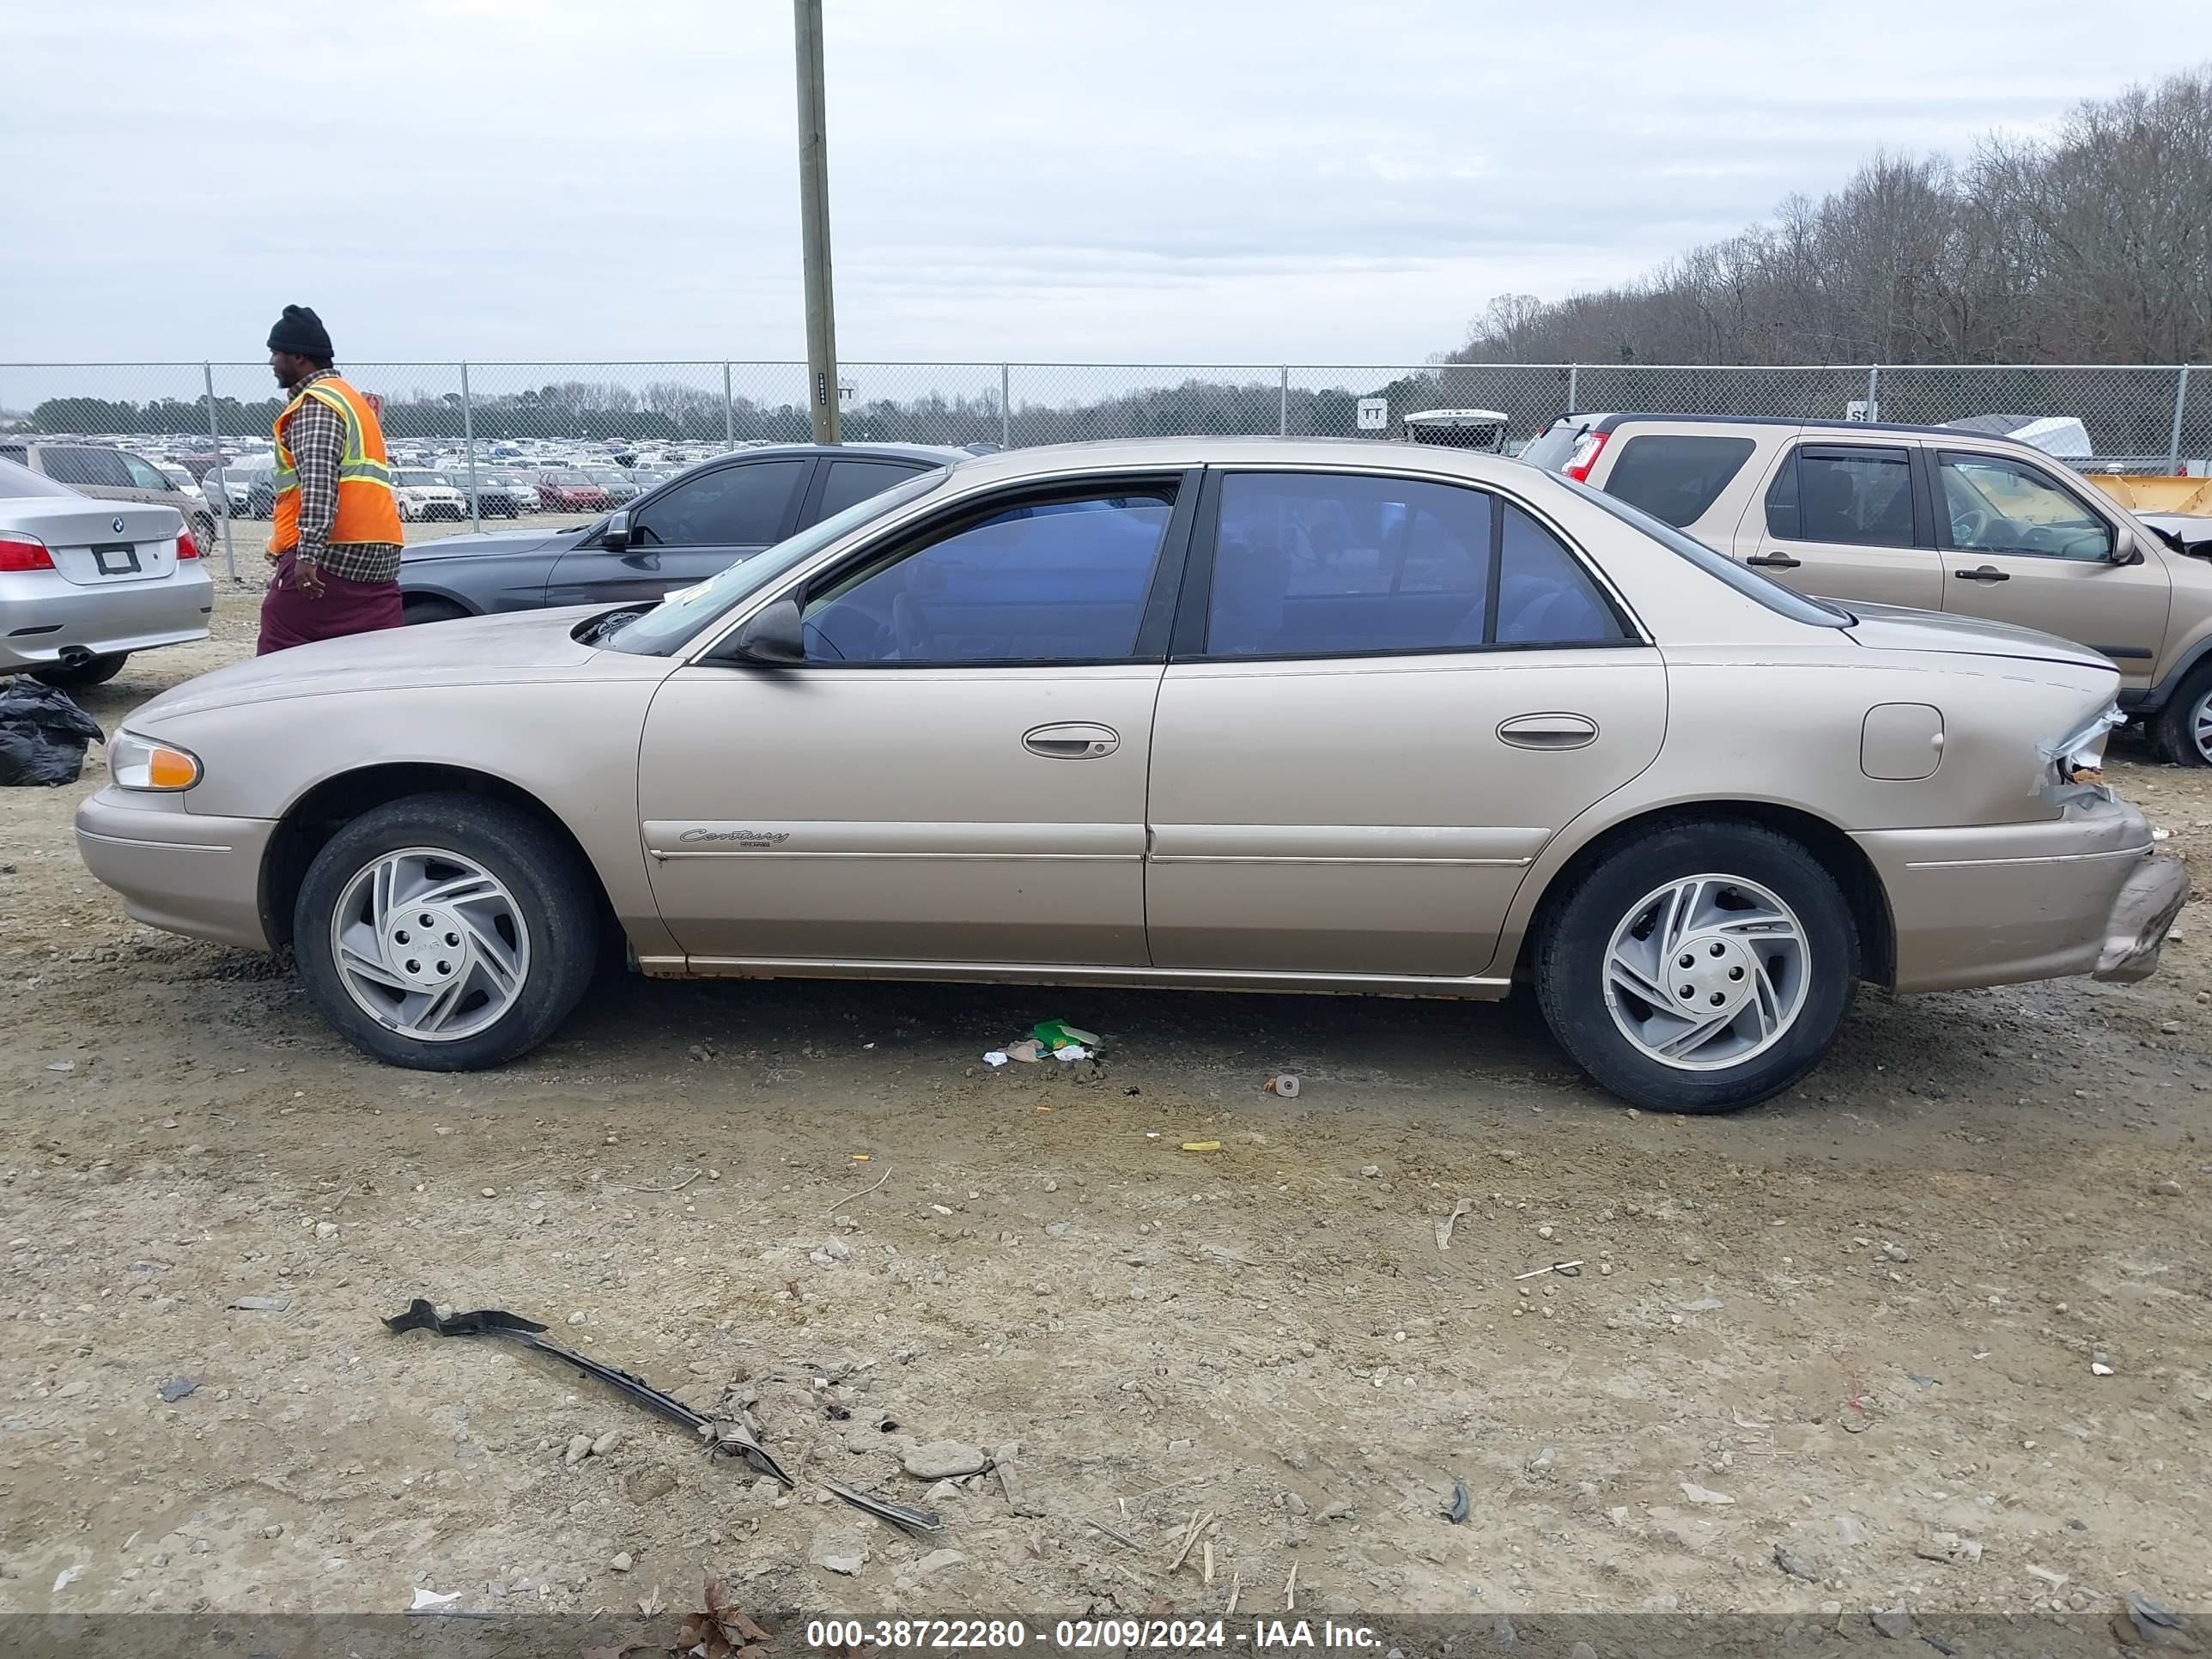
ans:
(2183, 729)
(78, 676)
(1700, 968)
(446, 932)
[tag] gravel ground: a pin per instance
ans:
(1931, 1332)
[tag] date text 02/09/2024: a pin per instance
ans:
(1108, 1635)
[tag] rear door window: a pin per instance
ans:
(1675, 476)
(1335, 565)
(1856, 494)
(738, 506)
(84, 464)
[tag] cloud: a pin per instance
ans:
(1144, 181)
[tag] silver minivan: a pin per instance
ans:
(109, 474)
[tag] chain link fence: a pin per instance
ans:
(506, 441)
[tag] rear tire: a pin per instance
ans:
(2183, 729)
(1734, 921)
(414, 611)
(455, 915)
(96, 672)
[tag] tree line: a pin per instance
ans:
(2092, 246)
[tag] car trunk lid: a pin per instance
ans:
(101, 544)
(1894, 628)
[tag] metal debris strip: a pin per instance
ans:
(733, 1437)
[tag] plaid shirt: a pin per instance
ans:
(317, 435)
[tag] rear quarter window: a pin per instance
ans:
(1550, 448)
(1676, 477)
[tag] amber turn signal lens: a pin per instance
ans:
(166, 768)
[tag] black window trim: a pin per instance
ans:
(1196, 597)
(1153, 623)
(1823, 449)
(1937, 454)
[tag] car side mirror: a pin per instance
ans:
(2124, 550)
(615, 537)
(774, 637)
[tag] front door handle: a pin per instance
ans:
(1774, 561)
(1548, 731)
(1071, 741)
(1988, 572)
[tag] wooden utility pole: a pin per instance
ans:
(814, 222)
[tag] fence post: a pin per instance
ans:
(2174, 439)
(1574, 375)
(1283, 405)
(215, 435)
(1005, 406)
(1873, 392)
(729, 410)
(469, 446)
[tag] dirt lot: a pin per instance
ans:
(1936, 1326)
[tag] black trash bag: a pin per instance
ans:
(42, 734)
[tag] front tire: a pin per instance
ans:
(78, 676)
(446, 932)
(2183, 729)
(1699, 967)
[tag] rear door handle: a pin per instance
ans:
(1548, 731)
(1774, 561)
(1071, 741)
(1988, 572)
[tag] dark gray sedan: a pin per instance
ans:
(684, 532)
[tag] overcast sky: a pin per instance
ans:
(1116, 180)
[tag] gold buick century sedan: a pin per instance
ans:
(1231, 714)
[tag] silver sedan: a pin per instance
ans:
(84, 584)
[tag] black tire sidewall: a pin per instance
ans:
(536, 866)
(2174, 728)
(1570, 970)
(98, 672)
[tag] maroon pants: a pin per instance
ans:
(291, 615)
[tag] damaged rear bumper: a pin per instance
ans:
(2142, 917)
(1998, 904)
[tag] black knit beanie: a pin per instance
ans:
(300, 332)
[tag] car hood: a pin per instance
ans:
(511, 646)
(491, 546)
(1894, 628)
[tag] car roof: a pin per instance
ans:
(1608, 422)
(1174, 454)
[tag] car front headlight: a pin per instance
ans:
(136, 762)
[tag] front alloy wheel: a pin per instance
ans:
(446, 932)
(430, 944)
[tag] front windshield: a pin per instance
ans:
(683, 615)
(1749, 583)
